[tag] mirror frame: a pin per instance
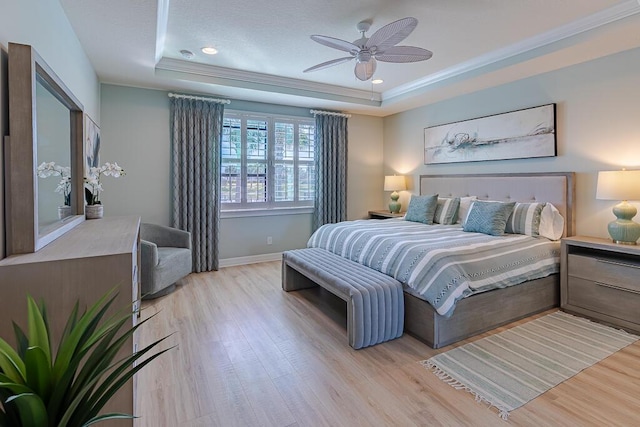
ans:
(21, 162)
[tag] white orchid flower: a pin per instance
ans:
(92, 181)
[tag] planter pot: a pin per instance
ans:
(64, 211)
(93, 211)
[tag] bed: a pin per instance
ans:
(485, 311)
(489, 309)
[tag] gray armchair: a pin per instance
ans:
(165, 258)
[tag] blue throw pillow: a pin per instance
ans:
(488, 217)
(422, 208)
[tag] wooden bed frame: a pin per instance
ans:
(485, 311)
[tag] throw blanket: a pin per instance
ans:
(440, 263)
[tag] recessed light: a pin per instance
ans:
(209, 50)
(187, 54)
(377, 81)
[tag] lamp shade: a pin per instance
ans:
(618, 185)
(394, 183)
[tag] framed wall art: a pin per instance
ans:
(91, 144)
(515, 135)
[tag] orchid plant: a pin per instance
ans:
(92, 184)
(47, 169)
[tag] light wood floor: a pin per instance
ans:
(249, 354)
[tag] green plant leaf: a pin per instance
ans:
(68, 327)
(71, 389)
(38, 333)
(21, 339)
(69, 346)
(11, 363)
(15, 388)
(31, 409)
(4, 419)
(69, 355)
(114, 381)
(101, 356)
(38, 372)
(111, 416)
(45, 319)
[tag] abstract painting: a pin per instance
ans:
(515, 135)
(91, 144)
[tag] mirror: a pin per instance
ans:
(53, 156)
(44, 155)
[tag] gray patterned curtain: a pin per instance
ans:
(196, 130)
(331, 170)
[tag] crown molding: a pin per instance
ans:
(604, 17)
(186, 70)
(193, 71)
(161, 27)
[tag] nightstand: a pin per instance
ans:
(384, 214)
(601, 280)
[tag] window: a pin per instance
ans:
(266, 162)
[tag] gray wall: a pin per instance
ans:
(597, 129)
(44, 25)
(135, 133)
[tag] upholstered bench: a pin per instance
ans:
(375, 303)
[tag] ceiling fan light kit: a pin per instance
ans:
(381, 46)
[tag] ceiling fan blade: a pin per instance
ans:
(403, 54)
(392, 34)
(335, 43)
(328, 64)
(364, 70)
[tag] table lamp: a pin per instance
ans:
(394, 183)
(621, 185)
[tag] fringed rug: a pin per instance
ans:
(508, 369)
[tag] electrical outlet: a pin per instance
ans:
(269, 240)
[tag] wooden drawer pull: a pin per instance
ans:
(620, 288)
(619, 263)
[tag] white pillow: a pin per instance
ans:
(463, 210)
(551, 222)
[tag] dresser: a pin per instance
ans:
(82, 265)
(601, 280)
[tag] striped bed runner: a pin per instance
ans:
(509, 369)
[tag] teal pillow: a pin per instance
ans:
(447, 211)
(422, 209)
(488, 217)
(525, 219)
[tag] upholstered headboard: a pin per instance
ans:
(552, 187)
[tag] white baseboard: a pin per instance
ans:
(230, 262)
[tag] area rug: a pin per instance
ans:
(509, 369)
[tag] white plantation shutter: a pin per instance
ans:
(266, 161)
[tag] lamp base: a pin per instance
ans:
(623, 230)
(394, 206)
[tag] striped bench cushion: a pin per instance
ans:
(375, 302)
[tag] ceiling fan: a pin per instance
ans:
(381, 46)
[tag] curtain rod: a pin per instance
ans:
(329, 113)
(200, 98)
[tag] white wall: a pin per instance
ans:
(597, 129)
(135, 133)
(43, 24)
